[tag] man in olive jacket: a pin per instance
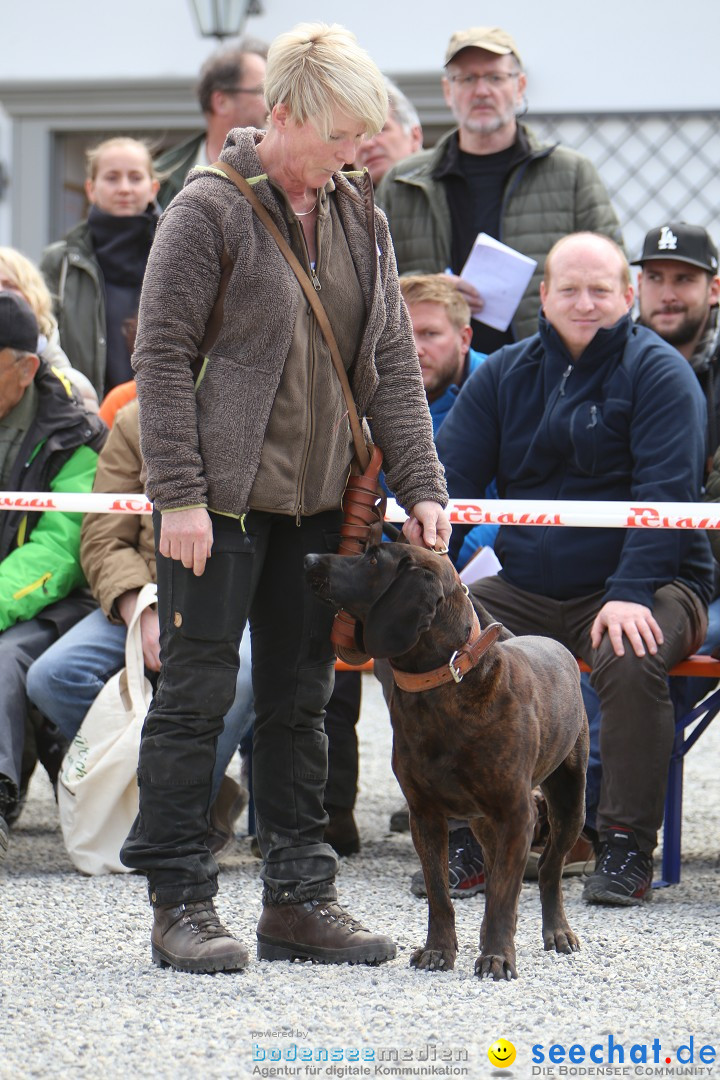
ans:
(47, 443)
(490, 174)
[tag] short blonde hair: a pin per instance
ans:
(28, 281)
(436, 289)
(118, 142)
(316, 68)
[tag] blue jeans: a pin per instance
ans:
(65, 680)
(687, 691)
(593, 776)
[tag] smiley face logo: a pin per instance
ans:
(501, 1053)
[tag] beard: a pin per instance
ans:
(685, 332)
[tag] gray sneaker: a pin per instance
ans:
(466, 869)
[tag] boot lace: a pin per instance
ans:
(332, 912)
(203, 920)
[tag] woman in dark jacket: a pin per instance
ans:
(95, 274)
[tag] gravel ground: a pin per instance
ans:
(80, 995)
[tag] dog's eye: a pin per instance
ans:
(373, 560)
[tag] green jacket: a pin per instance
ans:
(74, 279)
(173, 166)
(40, 552)
(550, 192)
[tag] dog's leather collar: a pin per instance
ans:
(462, 660)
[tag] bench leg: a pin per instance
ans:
(672, 829)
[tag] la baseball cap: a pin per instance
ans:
(490, 38)
(682, 243)
(18, 325)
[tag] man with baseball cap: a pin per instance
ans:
(490, 174)
(47, 443)
(678, 294)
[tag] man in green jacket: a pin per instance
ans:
(490, 174)
(47, 443)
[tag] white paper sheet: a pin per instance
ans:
(501, 275)
(484, 563)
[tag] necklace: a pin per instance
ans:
(306, 213)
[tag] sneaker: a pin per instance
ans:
(190, 937)
(623, 874)
(319, 930)
(579, 860)
(466, 868)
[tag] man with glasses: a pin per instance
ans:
(47, 443)
(490, 174)
(230, 92)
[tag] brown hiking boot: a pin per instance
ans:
(319, 930)
(190, 937)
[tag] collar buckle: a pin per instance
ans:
(455, 671)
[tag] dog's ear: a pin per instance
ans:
(403, 612)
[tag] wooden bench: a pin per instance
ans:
(698, 720)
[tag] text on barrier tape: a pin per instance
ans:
(607, 515)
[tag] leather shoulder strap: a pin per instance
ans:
(361, 451)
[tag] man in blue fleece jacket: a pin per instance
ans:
(593, 407)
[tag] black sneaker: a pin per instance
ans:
(623, 874)
(466, 867)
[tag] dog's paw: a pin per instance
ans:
(433, 960)
(562, 940)
(495, 967)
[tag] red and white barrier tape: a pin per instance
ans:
(606, 515)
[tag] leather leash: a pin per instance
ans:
(462, 660)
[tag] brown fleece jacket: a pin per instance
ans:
(205, 448)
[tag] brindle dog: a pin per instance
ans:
(471, 749)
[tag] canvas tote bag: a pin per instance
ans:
(97, 786)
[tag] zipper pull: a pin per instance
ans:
(593, 417)
(316, 281)
(566, 376)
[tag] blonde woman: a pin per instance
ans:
(95, 273)
(246, 466)
(19, 275)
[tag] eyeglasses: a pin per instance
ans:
(494, 80)
(245, 90)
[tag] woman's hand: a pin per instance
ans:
(428, 523)
(187, 535)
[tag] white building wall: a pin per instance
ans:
(616, 55)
